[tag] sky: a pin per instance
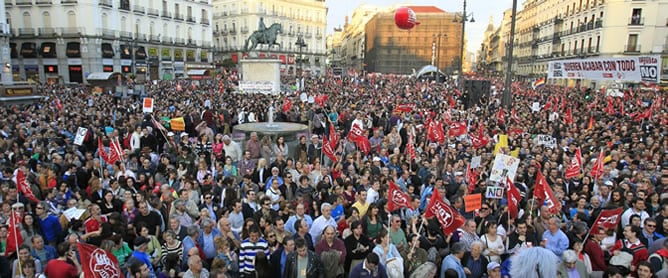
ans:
(481, 9)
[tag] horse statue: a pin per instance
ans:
(267, 36)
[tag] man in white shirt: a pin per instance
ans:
(637, 208)
(320, 223)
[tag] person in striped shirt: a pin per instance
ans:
(249, 247)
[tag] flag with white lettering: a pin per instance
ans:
(397, 198)
(514, 198)
(446, 215)
(608, 218)
(575, 167)
(98, 263)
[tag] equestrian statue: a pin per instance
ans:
(263, 35)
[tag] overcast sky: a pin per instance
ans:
(481, 9)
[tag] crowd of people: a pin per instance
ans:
(197, 203)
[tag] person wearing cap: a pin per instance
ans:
(494, 270)
(572, 267)
(140, 247)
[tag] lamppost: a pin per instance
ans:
(463, 18)
(301, 44)
(438, 55)
(506, 98)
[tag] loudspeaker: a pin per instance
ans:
(474, 90)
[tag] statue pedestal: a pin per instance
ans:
(260, 75)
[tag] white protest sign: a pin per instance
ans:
(494, 192)
(546, 140)
(535, 107)
(73, 213)
(81, 134)
(475, 161)
(504, 166)
(147, 106)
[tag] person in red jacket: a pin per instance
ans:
(631, 244)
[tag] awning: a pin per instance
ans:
(140, 54)
(48, 50)
(73, 50)
(103, 76)
(126, 52)
(107, 51)
(28, 50)
(198, 72)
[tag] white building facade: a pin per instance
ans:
(65, 40)
(234, 21)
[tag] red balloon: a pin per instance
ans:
(405, 18)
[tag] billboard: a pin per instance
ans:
(628, 68)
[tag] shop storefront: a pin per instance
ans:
(75, 69)
(107, 57)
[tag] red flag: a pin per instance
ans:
(287, 104)
(410, 148)
(333, 137)
(449, 218)
(355, 133)
(364, 145)
(575, 167)
(14, 238)
(608, 218)
(321, 99)
(328, 150)
(101, 152)
(97, 262)
(24, 187)
(597, 170)
(513, 115)
(501, 117)
(610, 109)
(397, 198)
(514, 198)
(58, 104)
(451, 101)
(543, 192)
(435, 131)
(457, 129)
(471, 178)
(407, 108)
(116, 151)
(568, 118)
(590, 125)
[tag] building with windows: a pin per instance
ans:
(390, 49)
(234, 21)
(5, 58)
(65, 40)
(550, 30)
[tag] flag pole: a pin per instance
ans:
(16, 239)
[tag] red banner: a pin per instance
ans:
(24, 186)
(543, 192)
(514, 198)
(446, 215)
(327, 149)
(97, 263)
(435, 131)
(333, 137)
(397, 198)
(287, 104)
(575, 167)
(597, 170)
(14, 238)
(457, 129)
(609, 219)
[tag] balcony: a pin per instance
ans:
(124, 6)
(8, 3)
(107, 33)
(318, 36)
(138, 9)
(191, 19)
(598, 23)
(178, 16)
(23, 2)
(166, 14)
(179, 41)
(632, 48)
(47, 32)
(636, 21)
(244, 30)
(308, 35)
(224, 32)
(141, 38)
(125, 34)
(204, 21)
(43, 2)
(71, 32)
(590, 26)
(26, 32)
(152, 12)
(167, 40)
(582, 28)
(154, 38)
(106, 3)
(233, 31)
(69, 2)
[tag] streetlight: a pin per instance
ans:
(438, 55)
(301, 44)
(464, 17)
(506, 98)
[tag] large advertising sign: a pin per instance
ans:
(629, 68)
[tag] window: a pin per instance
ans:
(632, 43)
(636, 17)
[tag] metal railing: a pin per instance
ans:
(636, 21)
(106, 3)
(151, 11)
(166, 14)
(124, 6)
(23, 2)
(138, 9)
(125, 34)
(191, 19)
(47, 32)
(71, 31)
(178, 16)
(107, 33)
(244, 30)
(69, 1)
(204, 21)
(26, 32)
(179, 41)
(155, 38)
(43, 2)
